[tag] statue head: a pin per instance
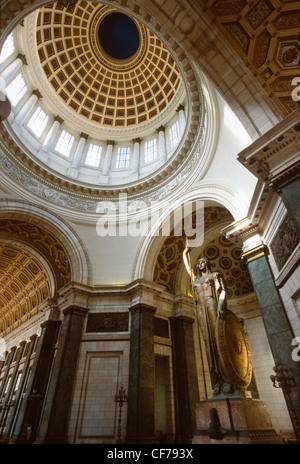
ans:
(203, 265)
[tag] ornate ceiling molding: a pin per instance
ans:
(24, 286)
(191, 158)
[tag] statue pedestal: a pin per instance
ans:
(241, 421)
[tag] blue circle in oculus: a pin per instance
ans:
(119, 36)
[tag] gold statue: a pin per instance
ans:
(226, 345)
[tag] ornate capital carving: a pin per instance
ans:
(286, 177)
(255, 253)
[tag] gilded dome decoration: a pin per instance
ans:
(107, 67)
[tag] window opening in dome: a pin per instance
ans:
(123, 157)
(174, 134)
(150, 151)
(38, 122)
(93, 155)
(119, 36)
(16, 90)
(64, 143)
(8, 48)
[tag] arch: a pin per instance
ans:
(197, 37)
(65, 235)
(207, 192)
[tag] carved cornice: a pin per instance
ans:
(275, 151)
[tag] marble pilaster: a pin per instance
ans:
(54, 423)
(36, 389)
(277, 325)
(185, 377)
(140, 412)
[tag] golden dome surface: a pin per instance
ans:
(106, 91)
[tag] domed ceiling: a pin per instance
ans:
(107, 67)
(104, 77)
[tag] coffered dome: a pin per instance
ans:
(107, 67)
(102, 105)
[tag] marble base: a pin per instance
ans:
(239, 421)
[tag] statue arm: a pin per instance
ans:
(186, 260)
(222, 294)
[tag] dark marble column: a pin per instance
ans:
(10, 397)
(36, 389)
(287, 185)
(140, 413)
(8, 360)
(185, 377)
(277, 326)
(18, 409)
(55, 420)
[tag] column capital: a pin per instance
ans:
(84, 136)
(160, 129)
(136, 140)
(37, 93)
(76, 310)
(50, 322)
(58, 119)
(180, 108)
(142, 307)
(22, 58)
(181, 318)
(285, 177)
(255, 253)
(110, 142)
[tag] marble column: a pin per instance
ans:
(108, 158)
(11, 71)
(287, 185)
(136, 155)
(5, 379)
(10, 397)
(277, 326)
(162, 152)
(52, 133)
(37, 386)
(141, 408)
(8, 361)
(55, 419)
(79, 150)
(28, 105)
(182, 118)
(185, 377)
(18, 409)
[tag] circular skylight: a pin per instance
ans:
(119, 36)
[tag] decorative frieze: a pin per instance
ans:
(284, 242)
(108, 322)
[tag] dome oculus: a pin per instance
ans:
(119, 36)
